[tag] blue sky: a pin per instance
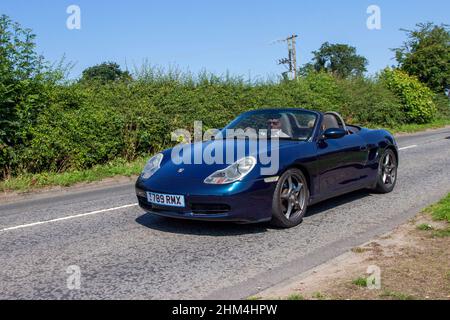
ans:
(216, 35)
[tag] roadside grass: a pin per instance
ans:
(318, 296)
(253, 298)
(396, 295)
(440, 212)
(296, 297)
(412, 128)
(441, 233)
(359, 250)
(28, 182)
(424, 227)
(360, 282)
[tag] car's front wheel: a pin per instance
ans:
(387, 172)
(290, 199)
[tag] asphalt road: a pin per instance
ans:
(124, 253)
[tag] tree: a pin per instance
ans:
(426, 55)
(24, 79)
(105, 72)
(339, 59)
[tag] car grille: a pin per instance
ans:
(196, 208)
(209, 208)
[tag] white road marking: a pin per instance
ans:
(67, 218)
(408, 147)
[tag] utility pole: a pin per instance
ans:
(291, 60)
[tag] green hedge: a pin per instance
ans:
(85, 124)
(416, 97)
(47, 124)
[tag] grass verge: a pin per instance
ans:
(360, 282)
(441, 210)
(29, 182)
(412, 128)
(295, 297)
(396, 295)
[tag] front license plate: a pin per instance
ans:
(166, 199)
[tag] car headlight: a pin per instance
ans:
(235, 172)
(152, 166)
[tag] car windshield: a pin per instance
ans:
(291, 124)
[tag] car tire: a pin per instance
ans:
(387, 172)
(290, 199)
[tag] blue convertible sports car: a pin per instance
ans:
(288, 159)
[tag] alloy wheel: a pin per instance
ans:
(293, 196)
(388, 169)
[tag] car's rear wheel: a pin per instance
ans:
(387, 172)
(290, 199)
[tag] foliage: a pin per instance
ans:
(426, 55)
(88, 124)
(369, 102)
(84, 124)
(360, 282)
(339, 59)
(441, 210)
(25, 88)
(417, 99)
(49, 125)
(105, 72)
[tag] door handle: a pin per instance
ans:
(363, 148)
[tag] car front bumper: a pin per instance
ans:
(250, 203)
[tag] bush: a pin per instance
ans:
(46, 125)
(368, 102)
(89, 123)
(417, 99)
(84, 124)
(26, 86)
(442, 103)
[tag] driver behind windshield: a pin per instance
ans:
(275, 126)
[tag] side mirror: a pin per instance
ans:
(334, 133)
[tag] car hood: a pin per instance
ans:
(187, 161)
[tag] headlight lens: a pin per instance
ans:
(235, 172)
(152, 166)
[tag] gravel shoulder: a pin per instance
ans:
(413, 260)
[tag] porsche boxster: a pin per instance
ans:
(293, 159)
